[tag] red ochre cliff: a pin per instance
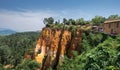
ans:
(54, 44)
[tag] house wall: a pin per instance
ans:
(112, 27)
(117, 29)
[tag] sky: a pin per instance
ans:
(28, 15)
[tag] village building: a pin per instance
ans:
(111, 27)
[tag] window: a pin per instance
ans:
(109, 25)
(117, 25)
(111, 31)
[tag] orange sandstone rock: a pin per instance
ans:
(49, 43)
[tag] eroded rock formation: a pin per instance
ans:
(53, 44)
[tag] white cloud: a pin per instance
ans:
(31, 20)
(24, 20)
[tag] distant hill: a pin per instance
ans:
(5, 31)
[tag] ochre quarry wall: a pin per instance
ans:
(53, 44)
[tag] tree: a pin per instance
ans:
(48, 21)
(71, 22)
(28, 65)
(80, 21)
(114, 16)
(5, 54)
(97, 20)
(65, 21)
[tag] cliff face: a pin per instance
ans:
(53, 44)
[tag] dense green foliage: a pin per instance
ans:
(28, 65)
(97, 20)
(114, 16)
(99, 52)
(14, 47)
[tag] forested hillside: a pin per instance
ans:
(99, 52)
(13, 48)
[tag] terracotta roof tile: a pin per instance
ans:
(111, 20)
